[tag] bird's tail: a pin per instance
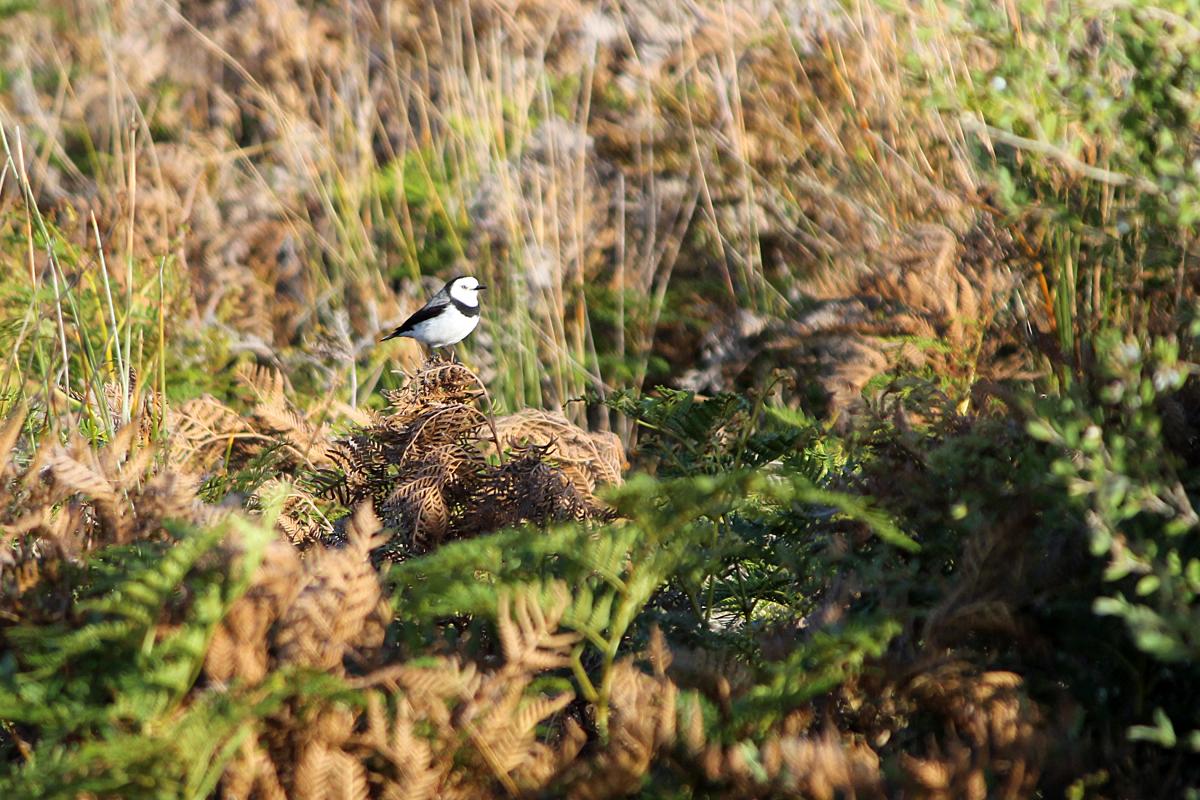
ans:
(394, 335)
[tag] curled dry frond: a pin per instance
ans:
(273, 414)
(204, 431)
(69, 500)
(119, 482)
(425, 466)
(437, 383)
(206, 434)
(589, 459)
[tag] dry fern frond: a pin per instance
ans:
(312, 612)
(332, 612)
(252, 774)
(589, 459)
(499, 719)
(417, 772)
(324, 771)
(524, 489)
(527, 635)
(440, 730)
(129, 497)
(202, 431)
(642, 720)
(421, 500)
(424, 465)
(240, 646)
(205, 433)
(300, 519)
(448, 679)
(274, 414)
(824, 767)
(437, 383)
(74, 473)
(993, 734)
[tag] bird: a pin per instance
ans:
(448, 317)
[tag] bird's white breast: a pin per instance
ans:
(449, 327)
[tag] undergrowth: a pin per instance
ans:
(831, 430)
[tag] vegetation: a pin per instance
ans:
(831, 431)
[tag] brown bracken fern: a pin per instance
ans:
(424, 464)
(504, 723)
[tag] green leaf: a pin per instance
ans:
(1162, 732)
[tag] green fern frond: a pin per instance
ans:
(109, 691)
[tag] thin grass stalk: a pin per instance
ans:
(33, 214)
(113, 337)
(162, 343)
(30, 315)
(123, 379)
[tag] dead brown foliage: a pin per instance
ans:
(205, 432)
(924, 286)
(700, 124)
(924, 298)
(450, 727)
(443, 730)
(992, 740)
(589, 459)
(755, 142)
(424, 465)
(69, 500)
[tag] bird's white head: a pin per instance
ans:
(465, 290)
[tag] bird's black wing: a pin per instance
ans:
(431, 310)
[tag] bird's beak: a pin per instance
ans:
(480, 288)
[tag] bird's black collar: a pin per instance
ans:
(464, 309)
